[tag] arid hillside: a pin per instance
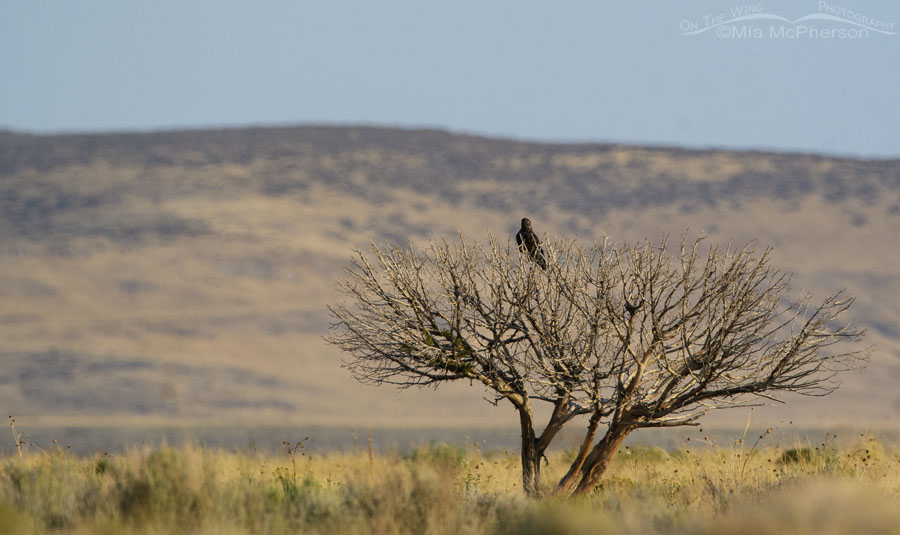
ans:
(184, 276)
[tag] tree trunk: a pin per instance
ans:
(531, 461)
(598, 460)
(568, 480)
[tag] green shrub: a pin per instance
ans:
(796, 455)
(443, 457)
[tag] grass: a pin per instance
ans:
(807, 488)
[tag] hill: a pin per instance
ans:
(183, 276)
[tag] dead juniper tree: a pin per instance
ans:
(626, 336)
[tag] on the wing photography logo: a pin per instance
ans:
(752, 21)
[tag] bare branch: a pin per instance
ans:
(633, 335)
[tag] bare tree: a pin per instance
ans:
(626, 336)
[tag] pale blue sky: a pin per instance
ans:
(586, 71)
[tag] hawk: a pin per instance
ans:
(528, 242)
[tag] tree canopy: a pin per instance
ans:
(628, 336)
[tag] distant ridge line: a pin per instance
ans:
(137, 140)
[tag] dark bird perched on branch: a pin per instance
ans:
(528, 242)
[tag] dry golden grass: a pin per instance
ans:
(808, 488)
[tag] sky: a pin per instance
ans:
(660, 73)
